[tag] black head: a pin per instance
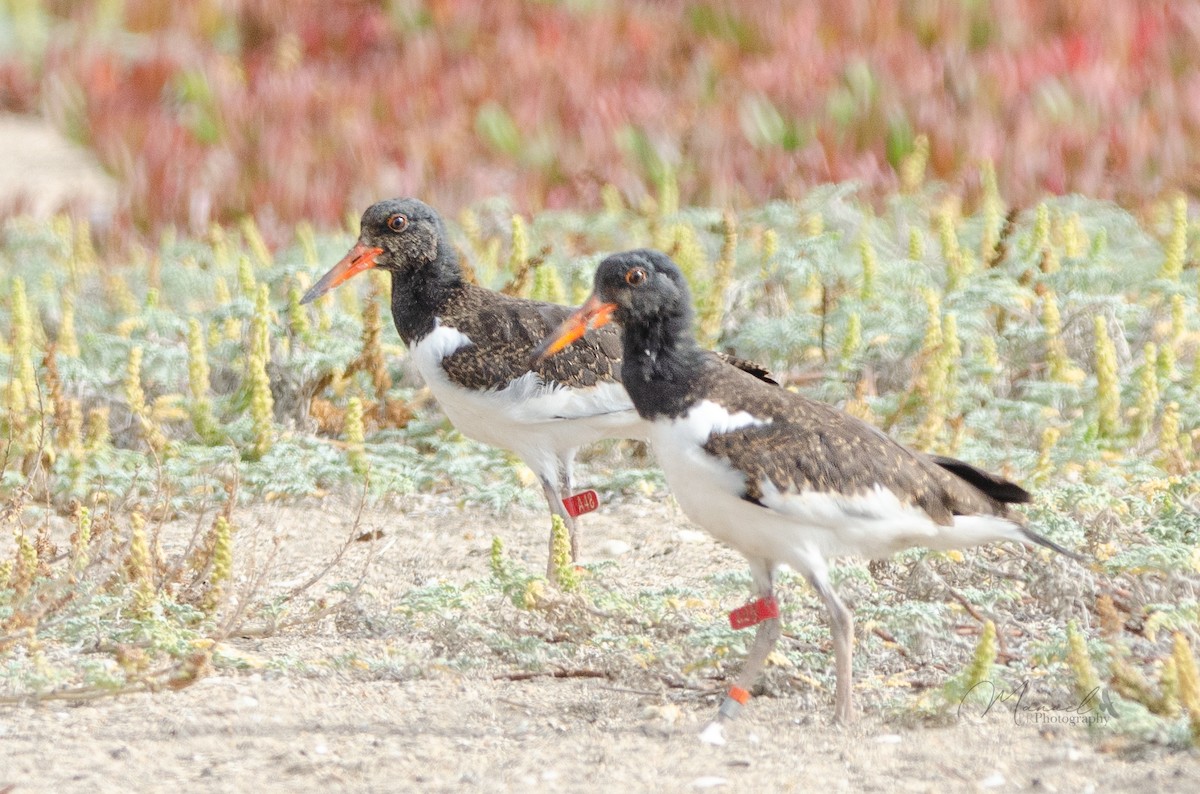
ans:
(403, 236)
(645, 286)
(644, 291)
(409, 232)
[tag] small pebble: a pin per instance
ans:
(709, 781)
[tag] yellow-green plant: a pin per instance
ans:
(198, 383)
(68, 341)
(262, 403)
(307, 239)
(81, 539)
(1045, 462)
(1188, 682)
(97, 435)
(1075, 239)
(851, 341)
(992, 210)
(951, 251)
(610, 199)
(255, 242)
(245, 276)
(563, 571)
(547, 285)
(1175, 252)
(139, 567)
(712, 306)
(355, 436)
(916, 244)
(1147, 400)
(1084, 677)
(1170, 443)
(221, 573)
(22, 388)
(297, 315)
(933, 383)
(1059, 365)
(814, 224)
(912, 167)
(1039, 239)
(135, 396)
(770, 249)
(518, 257)
(668, 194)
(977, 671)
(1108, 386)
(870, 267)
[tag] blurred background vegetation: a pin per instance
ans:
(211, 110)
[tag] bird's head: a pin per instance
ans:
(634, 288)
(398, 235)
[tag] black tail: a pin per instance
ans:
(1001, 490)
(995, 487)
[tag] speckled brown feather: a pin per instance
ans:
(504, 330)
(809, 446)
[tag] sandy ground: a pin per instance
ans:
(293, 722)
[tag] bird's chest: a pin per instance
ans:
(485, 414)
(707, 487)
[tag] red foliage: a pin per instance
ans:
(309, 109)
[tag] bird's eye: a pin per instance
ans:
(636, 277)
(398, 222)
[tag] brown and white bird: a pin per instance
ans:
(471, 345)
(776, 476)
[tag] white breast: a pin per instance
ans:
(528, 416)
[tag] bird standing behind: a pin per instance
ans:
(471, 345)
(778, 477)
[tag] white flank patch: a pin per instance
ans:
(536, 420)
(799, 529)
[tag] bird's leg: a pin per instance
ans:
(566, 481)
(765, 637)
(554, 500)
(841, 625)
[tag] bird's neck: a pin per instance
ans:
(420, 295)
(660, 366)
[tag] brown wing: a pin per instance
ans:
(810, 446)
(506, 329)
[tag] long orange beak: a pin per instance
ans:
(591, 314)
(359, 259)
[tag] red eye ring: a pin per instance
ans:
(636, 276)
(398, 222)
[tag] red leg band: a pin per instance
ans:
(754, 613)
(580, 503)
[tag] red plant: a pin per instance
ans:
(291, 110)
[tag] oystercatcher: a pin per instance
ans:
(778, 477)
(471, 345)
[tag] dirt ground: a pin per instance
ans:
(308, 726)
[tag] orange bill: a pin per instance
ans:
(359, 259)
(591, 314)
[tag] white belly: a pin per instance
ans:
(528, 416)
